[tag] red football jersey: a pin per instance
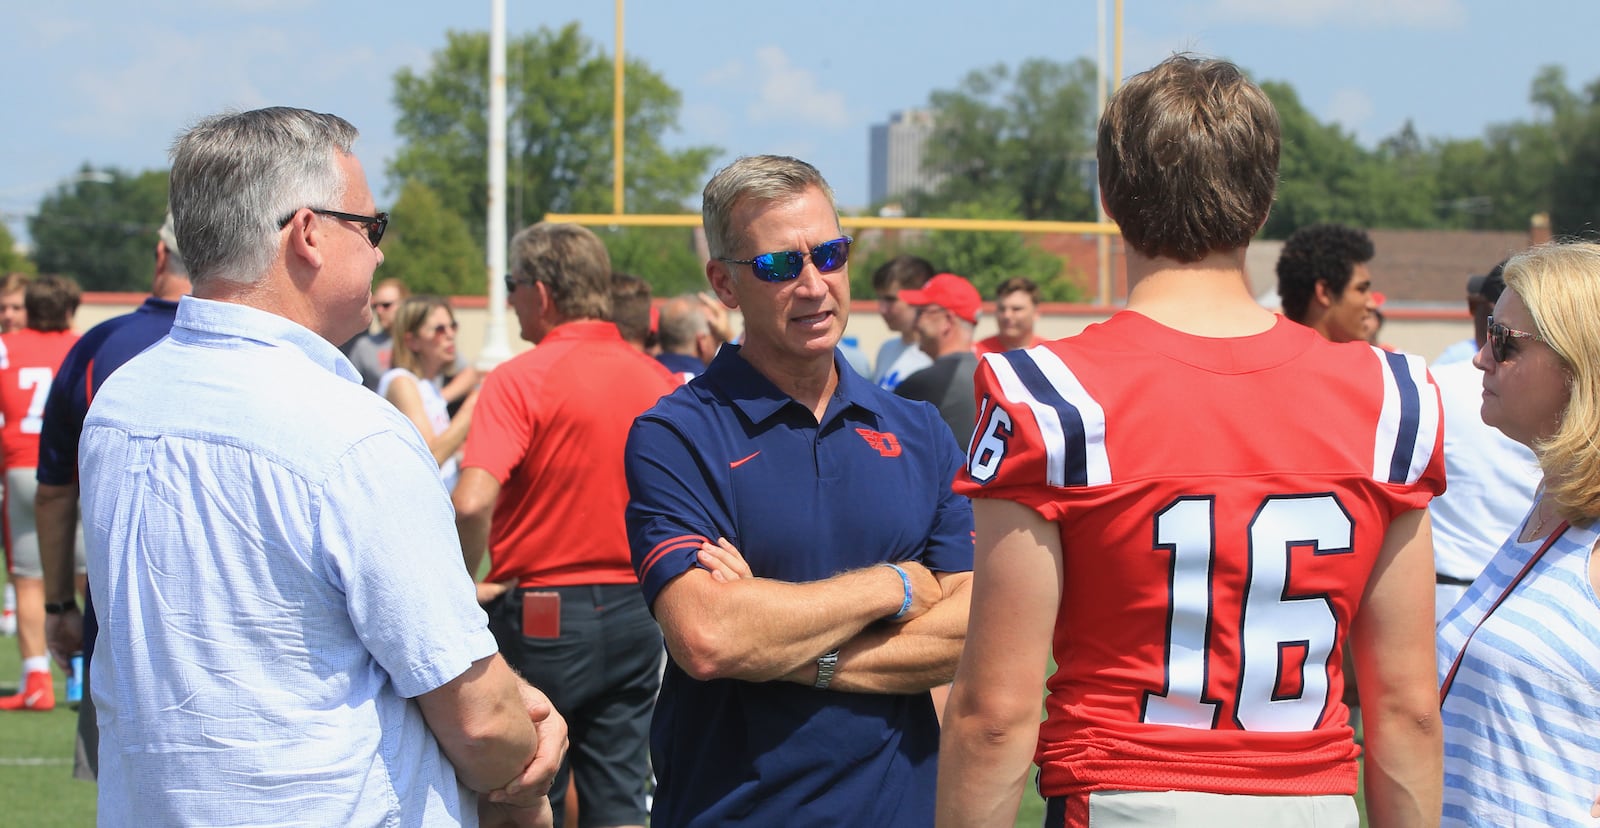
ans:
(1221, 504)
(28, 363)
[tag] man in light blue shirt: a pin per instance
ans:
(288, 637)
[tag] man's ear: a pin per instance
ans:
(721, 279)
(304, 242)
(1321, 293)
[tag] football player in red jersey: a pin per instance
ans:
(29, 358)
(1194, 508)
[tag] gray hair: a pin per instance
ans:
(169, 239)
(236, 176)
(681, 321)
(760, 178)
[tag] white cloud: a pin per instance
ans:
(1417, 14)
(1350, 108)
(175, 78)
(792, 92)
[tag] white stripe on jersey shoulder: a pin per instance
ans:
(1408, 424)
(1065, 411)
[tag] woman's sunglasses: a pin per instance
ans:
(1500, 338)
(787, 264)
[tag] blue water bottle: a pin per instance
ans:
(75, 680)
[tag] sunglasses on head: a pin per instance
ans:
(787, 264)
(1500, 338)
(373, 226)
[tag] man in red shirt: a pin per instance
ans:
(542, 489)
(1152, 514)
(1016, 310)
(29, 358)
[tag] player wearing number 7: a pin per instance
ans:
(1195, 507)
(28, 361)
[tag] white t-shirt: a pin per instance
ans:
(438, 411)
(898, 359)
(1491, 480)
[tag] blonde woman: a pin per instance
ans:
(424, 335)
(1519, 654)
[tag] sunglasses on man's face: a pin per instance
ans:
(372, 226)
(788, 264)
(1500, 338)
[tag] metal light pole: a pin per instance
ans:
(617, 122)
(1102, 241)
(495, 348)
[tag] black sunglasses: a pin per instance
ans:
(512, 282)
(1500, 338)
(787, 264)
(373, 225)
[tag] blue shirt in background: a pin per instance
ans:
(276, 564)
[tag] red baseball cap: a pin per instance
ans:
(950, 292)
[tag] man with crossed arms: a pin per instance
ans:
(795, 533)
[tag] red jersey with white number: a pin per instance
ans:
(1221, 503)
(28, 363)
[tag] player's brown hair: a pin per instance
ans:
(51, 301)
(1188, 156)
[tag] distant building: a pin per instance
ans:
(896, 156)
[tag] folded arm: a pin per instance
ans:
(760, 629)
(404, 394)
(482, 725)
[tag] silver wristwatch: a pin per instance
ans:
(825, 665)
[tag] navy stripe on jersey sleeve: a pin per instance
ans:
(1074, 466)
(1410, 417)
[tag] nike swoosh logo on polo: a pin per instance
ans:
(734, 464)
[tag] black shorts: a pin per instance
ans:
(602, 674)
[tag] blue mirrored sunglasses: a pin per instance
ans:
(787, 264)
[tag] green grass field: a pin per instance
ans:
(36, 781)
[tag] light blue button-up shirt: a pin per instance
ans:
(275, 563)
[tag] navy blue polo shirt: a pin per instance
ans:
(93, 357)
(730, 455)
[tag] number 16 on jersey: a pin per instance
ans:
(1286, 636)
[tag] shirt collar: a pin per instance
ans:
(757, 398)
(210, 323)
(584, 329)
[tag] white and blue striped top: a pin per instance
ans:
(1522, 720)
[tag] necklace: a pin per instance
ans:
(1541, 518)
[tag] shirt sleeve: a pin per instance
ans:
(672, 505)
(502, 425)
(388, 539)
(952, 536)
(1007, 457)
(1417, 476)
(64, 409)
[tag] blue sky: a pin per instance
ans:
(111, 83)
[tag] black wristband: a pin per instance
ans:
(52, 608)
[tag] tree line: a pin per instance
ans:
(1011, 142)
